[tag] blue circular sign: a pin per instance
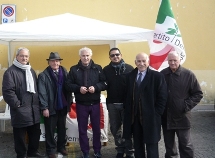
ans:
(8, 11)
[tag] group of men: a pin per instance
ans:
(139, 102)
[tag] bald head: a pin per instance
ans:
(141, 55)
(142, 61)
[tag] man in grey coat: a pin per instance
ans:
(184, 93)
(19, 90)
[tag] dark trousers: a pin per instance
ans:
(139, 145)
(33, 137)
(54, 123)
(116, 116)
(184, 143)
(83, 113)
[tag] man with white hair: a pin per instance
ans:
(87, 80)
(184, 93)
(19, 88)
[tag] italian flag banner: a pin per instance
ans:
(166, 38)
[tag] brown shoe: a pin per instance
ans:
(52, 156)
(63, 152)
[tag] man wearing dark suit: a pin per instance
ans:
(145, 103)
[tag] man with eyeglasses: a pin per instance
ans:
(115, 74)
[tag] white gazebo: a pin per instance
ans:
(68, 29)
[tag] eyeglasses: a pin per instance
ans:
(113, 55)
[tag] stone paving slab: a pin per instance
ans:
(203, 137)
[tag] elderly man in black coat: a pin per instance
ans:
(55, 103)
(19, 88)
(184, 93)
(145, 103)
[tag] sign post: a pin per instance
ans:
(8, 13)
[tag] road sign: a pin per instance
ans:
(8, 13)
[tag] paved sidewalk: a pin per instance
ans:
(203, 136)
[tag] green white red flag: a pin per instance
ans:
(166, 37)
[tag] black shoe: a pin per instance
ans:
(63, 152)
(120, 155)
(36, 154)
(52, 156)
(98, 154)
(85, 155)
(130, 156)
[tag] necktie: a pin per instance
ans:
(139, 79)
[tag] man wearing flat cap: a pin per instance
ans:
(55, 103)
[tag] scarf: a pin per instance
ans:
(86, 72)
(28, 75)
(119, 67)
(60, 98)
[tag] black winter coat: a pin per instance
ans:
(15, 93)
(47, 91)
(184, 93)
(116, 82)
(96, 78)
(153, 97)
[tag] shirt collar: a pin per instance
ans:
(143, 73)
(177, 72)
(56, 70)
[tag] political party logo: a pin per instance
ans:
(166, 38)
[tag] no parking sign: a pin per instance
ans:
(8, 13)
